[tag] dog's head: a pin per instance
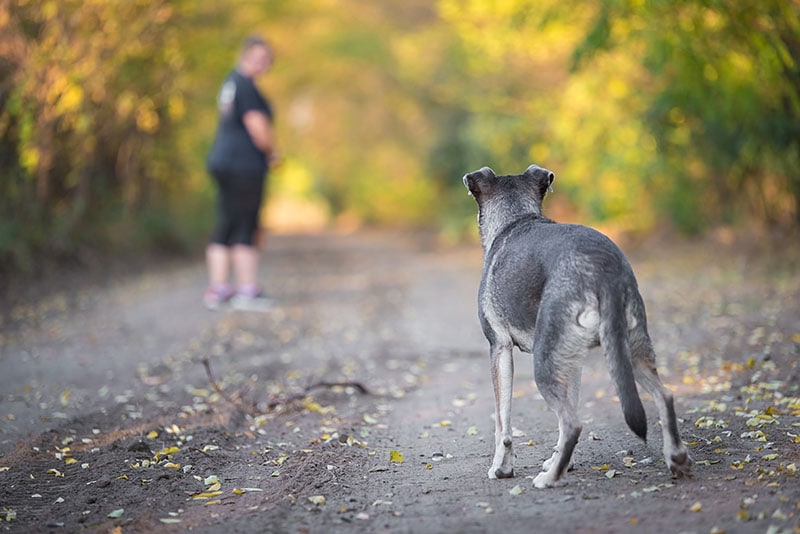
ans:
(504, 199)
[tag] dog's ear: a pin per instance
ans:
(479, 182)
(542, 177)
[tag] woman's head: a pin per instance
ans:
(256, 56)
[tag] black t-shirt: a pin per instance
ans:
(233, 150)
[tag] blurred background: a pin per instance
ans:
(678, 116)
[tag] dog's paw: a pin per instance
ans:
(543, 480)
(499, 472)
(549, 462)
(680, 464)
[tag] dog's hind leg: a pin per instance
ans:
(574, 392)
(502, 363)
(557, 374)
(644, 367)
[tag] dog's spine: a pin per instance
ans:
(614, 340)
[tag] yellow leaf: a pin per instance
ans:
(516, 490)
(319, 500)
(445, 423)
(237, 491)
(152, 434)
(55, 472)
(214, 487)
(172, 465)
(215, 501)
(314, 407)
(206, 494)
(696, 507)
(603, 467)
(70, 461)
(634, 521)
(166, 451)
(396, 457)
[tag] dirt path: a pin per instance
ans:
(109, 421)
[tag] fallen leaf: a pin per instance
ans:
(610, 473)
(516, 490)
(472, 431)
(116, 514)
(242, 491)
(396, 457)
(319, 500)
(369, 419)
(169, 520)
(206, 494)
(166, 451)
(696, 507)
(152, 434)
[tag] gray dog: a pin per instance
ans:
(556, 290)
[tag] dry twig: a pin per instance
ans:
(279, 401)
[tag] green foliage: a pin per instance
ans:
(107, 111)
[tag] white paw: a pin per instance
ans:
(549, 462)
(501, 472)
(543, 480)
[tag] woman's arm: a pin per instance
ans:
(259, 127)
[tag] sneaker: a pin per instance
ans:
(252, 299)
(217, 296)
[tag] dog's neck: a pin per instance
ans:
(493, 217)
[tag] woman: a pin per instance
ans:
(239, 161)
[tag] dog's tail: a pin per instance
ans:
(614, 340)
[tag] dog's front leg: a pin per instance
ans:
(502, 363)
